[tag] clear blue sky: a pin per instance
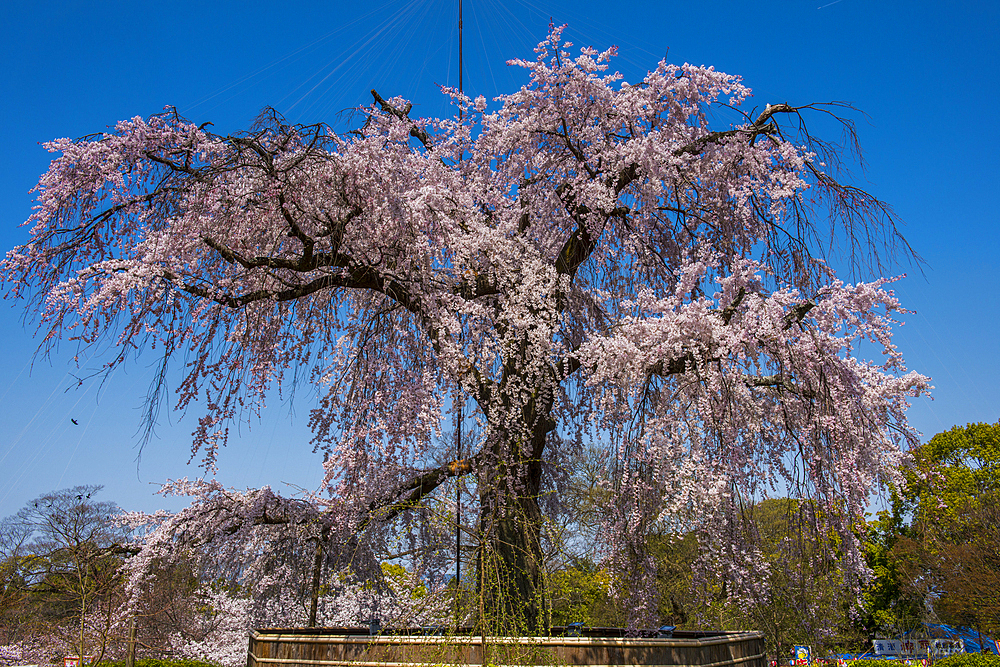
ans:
(926, 73)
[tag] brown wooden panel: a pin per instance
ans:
(310, 648)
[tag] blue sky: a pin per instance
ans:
(926, 73)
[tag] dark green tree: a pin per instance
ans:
(890, 606)
(950, 554)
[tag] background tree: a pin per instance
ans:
(890, 605)
(970, 571)
(14, 537)
(803, 595)
(949, 553)
(676, 557)
(955, 471)
(592, 260)
(69, 567)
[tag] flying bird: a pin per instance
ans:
(75, 422)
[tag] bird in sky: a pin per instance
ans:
(75, 422)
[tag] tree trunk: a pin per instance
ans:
(130, 656)
(511, 581)
(81, 649)
(315, 580)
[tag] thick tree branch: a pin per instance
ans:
(797, 314)
(355, 277)
(307, 262)
(779, 382)
(415, 490)
(760, 126)
(727, 313)
(403, 114)
(581, 243)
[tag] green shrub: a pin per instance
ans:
(153, 662)
(876, 663)
(969, 660)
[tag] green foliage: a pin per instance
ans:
(889, 604)
(579, 594)
(153, 662)
(401, 581)
(876, 663)
(951, 474)
(950, 554)
(675, 557)
(969, 660)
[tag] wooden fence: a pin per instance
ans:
(341, 647)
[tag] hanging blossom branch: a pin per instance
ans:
(270, 546)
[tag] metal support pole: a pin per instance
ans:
(458, 424)
(460, 46)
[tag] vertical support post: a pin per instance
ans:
(458, 424)
(460, 46)
(458, 513)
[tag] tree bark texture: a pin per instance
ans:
(509, 566)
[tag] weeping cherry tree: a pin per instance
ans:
(588, 260)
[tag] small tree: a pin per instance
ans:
(590, 261)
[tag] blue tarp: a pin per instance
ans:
(969, 637)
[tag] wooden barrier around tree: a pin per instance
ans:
(343, 647)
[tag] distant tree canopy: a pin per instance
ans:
(949, 555)
(956, 472)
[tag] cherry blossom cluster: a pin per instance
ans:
(258, 556)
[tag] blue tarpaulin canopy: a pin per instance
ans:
(971, 638)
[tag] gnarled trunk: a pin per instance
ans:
(510, 576)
